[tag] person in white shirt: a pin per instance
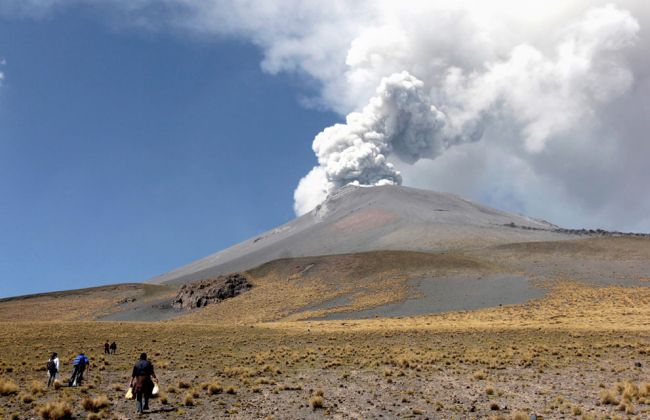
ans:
(53, 366)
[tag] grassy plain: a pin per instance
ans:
(582, 351)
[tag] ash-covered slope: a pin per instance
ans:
(358, 219)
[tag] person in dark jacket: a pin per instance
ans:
(53, 366)
(113, 347)
(142, 383)
(106, 347)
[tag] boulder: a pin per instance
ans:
(205, 292)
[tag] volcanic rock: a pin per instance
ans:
(202, 293)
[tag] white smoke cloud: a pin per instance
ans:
(399, 121)
(538, 96)
(539, 107)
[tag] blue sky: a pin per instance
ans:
(137, 136)
(124, 154)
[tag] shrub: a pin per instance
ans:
(215, 388)
(55, 411)
(188, 401)
(608, 398)
(316, 402)
(479, 375)
(8, 387)
(95, 404)
(36, 387)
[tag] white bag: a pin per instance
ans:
(156, 390)
(129, 393)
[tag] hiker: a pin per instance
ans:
(52, 368)
(142, 383)
(106, 347)
(113, 347)
(80, 363)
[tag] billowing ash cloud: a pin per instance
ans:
(399, 121)
(536, 107)
(531, 100)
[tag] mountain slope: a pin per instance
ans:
(360, 219)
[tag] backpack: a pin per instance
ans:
(81, 362)
(51, 366)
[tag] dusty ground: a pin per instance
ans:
(591, 361)
(581, 351)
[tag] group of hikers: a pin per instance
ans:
(79, 364)
(110, 348)
(143, 378)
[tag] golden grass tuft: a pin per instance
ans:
(36, 387)
(608, 397)
(55, 411)
(95, 404)
(188, 400)
(214, 388)
(26, 398)
(8, 387)
(316, 402)
(479, 375)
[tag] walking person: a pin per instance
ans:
(53, 366)
(106, 347)
(113, 347)
(142, 383)
(80, 364)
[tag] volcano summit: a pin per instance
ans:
(361, 219)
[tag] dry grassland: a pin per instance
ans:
(78, 305)
(285, 289)
(581, 352)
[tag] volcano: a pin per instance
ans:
(361, 219)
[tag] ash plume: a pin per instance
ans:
(398, 121)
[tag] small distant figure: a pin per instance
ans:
(80, 364)
(106, 347)
(142, 383)
(113, 347)
(53, 366)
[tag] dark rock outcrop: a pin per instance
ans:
(126, 300)
(204, 292)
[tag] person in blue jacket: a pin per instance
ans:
(80, 364)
